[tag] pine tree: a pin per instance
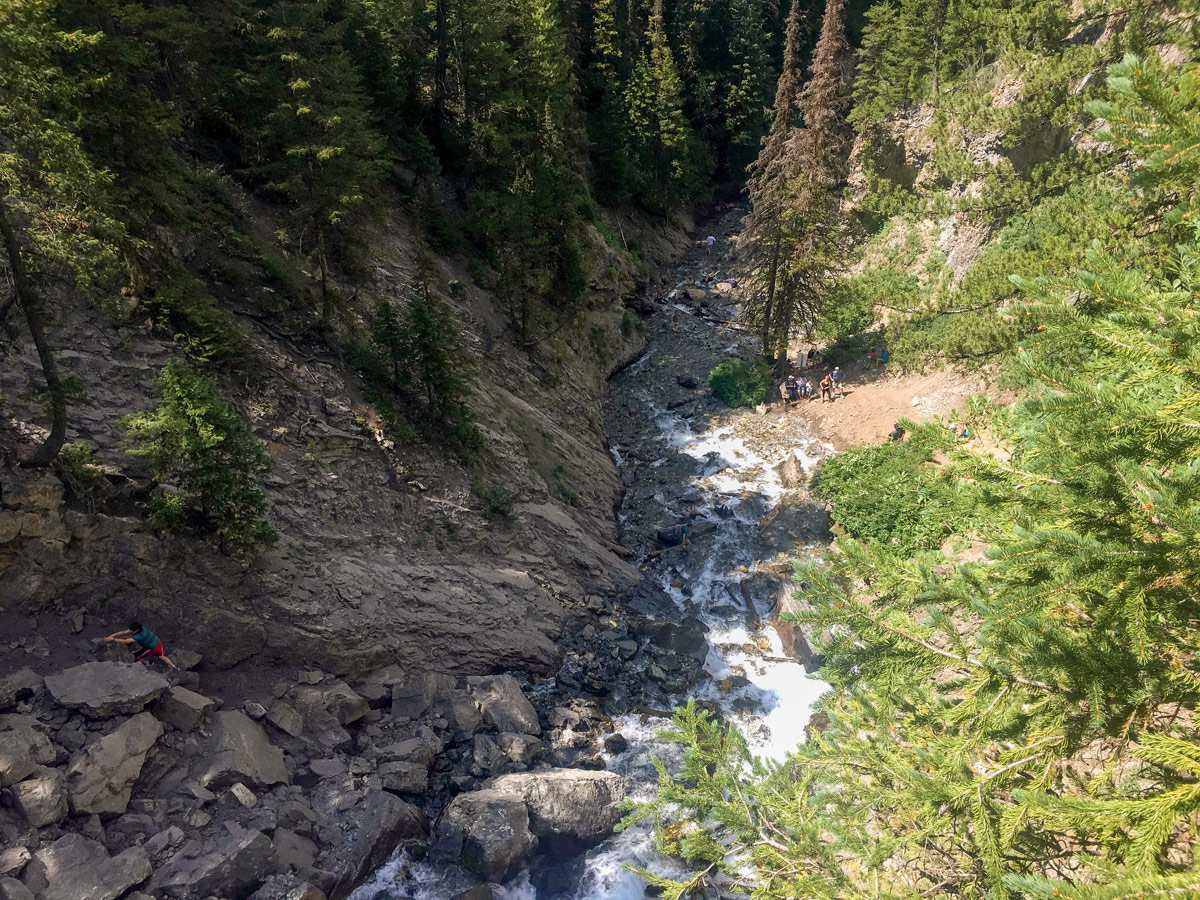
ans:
(745, 89)
(654, 102)
(199, 443)
(762, 242)
(798, 235)
(52, 218)
(318, 148)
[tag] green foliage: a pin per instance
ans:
(415, 359)
(196, 443)
(631, 322)
(890, 495)
(77, 467)
(739, 383)
(499, 502)
(1021, 724)
(192, 317)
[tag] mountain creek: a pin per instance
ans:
(701, 623)
(127, 781)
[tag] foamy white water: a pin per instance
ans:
(736, 485)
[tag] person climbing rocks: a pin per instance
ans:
(685, 541)
(793, 388)
(143, 637)
(827, 387)
(708, 244)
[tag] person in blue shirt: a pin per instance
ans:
(838, 382)
(148, 643)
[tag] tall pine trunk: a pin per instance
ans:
(26, 298)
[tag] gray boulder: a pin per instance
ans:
(13, 860)
(422, 748)
(238, 750)
(22, 749)
(42, 799)
(487, 832)
(322, 727)
(74, 867)
(11, 889)
(504, 705)
(521, 749)
(105, 689)
(18, 685)
(572, 807)
(336, 698)
(687, 637)
(412, 697)
(231, 864)
(287, 887)
(373, 829)
(285, 718)
(461, 713)
(183, 709)
(100, 778)
(404, 777)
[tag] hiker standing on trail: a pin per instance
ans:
(146, 639)
(805, 388)
(793, 388)
(708, 244)
(837, 380)
(827, 387)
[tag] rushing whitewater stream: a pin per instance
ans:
(737, 479)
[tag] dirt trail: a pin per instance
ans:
(875, 398)
(876, 394)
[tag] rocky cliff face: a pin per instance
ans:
(387, 554)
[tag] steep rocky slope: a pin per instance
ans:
(387, 553)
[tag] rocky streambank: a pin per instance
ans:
(124, 781)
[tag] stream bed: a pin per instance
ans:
(737, 479)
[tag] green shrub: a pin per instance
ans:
(197, 442)
(499, 502)
(85, 479)
(889, 494)
(413, 359)
(187, 312)
(631, 322)
(739, 383)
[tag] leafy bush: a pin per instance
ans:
(415, 359)
(888, 495)
(499, 502)
(631, 322)
(77, 468)
(192, 317)
(739, 383)
(197, 442)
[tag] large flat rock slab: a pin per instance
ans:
(105, 689)
(23, 748)
(100, 778)
(576, 805)
(239, 750)
(74, 867)
(230, 864)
